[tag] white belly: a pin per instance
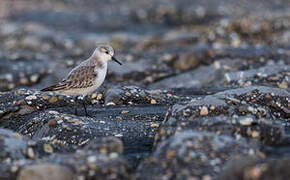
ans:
(101, 74)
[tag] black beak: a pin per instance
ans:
(114, 59)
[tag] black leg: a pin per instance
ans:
(84, 104)
(76, 105)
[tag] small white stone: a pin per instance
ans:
(53, 112)
(34, 78)
(110, 104)
(92, 159)
(59, 121)
(114, 155)
(118, 135)
(246, 121)
(31, 97)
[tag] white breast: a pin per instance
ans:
(101, 75)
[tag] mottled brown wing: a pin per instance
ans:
(81, 77)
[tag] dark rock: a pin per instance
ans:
(191, 79)
(81, 164)
(135, 95)
(45, 172)
(232, 113)
(47, 117)
(27, 159)
(192, 154)
(17, 73)
(106, 145)
(270, 75)
(256, 168)
(13, 146)
(188, 55)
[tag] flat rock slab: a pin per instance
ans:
(136, 126)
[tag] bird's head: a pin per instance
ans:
(105, 53)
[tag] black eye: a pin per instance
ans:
(107, 52)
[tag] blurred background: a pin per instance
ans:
(162, 43)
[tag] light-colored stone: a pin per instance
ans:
(204, 111)
(45, 172)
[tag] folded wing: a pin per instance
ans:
(82, 77)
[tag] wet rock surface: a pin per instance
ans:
(203, 84)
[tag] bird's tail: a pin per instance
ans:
(54, 87)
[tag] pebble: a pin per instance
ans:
(154, 125)
(255, 134)
(59, 121)
(47, 148)
(14, 169)
(170, 154)
(100, 96)
(53, 112)
(52, 123)
(283, 85)
(24, 80)
(153, 101)
(124, 112)
(45, 97)
(94, 95)
(52, 99)
(31, 97)
(110, 104)
(204, 111)
(118, 135)
(34, 78)
(246, 121)
(30, 153)
(169, 95)
(113, 155)
(92, 159)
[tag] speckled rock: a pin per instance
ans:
(193, 154)
(253, 112)
(82, 164)
(49, 118)
(106, 145)
(13, 145)
(23, 158)
(130, 95)
(271, 75)
(45, 172)
(192, 55)
(256, 168)
(19, 73)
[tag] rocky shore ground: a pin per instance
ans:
(203, 92)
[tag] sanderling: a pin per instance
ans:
(87, 76)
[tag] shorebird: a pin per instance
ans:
(87, 76)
